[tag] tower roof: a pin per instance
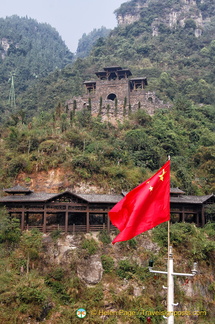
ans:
(18, 190)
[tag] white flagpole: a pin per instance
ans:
(170, 279)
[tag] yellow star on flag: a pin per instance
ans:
(162, 175)
(150, 188)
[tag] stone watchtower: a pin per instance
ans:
(116, 93)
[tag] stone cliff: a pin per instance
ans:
(176, 15)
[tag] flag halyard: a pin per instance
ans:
(144, 207)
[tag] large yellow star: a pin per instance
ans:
(162, 175)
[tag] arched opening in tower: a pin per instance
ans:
(111, 96)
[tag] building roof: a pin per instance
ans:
(176, 191)
(184, 199)
(43, 197)
(138, 79)
(86, 82)
(116, 68)
(95, 198)
(190, 199)
(32, 197)
(17, 189)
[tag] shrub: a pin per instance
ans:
(9, 228)
(48, 146)
(159, 235)
(104, 237)
(17, 164)
(209, 229)
(126, 269)
(107, 263)
(55, 234)
(55, 280)
(90, 245)
(31, 295)
(86, 162)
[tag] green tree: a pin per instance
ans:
(9, 228)
(31, 243)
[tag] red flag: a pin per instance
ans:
(143, 208)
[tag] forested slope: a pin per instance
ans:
(179, 67)
(30, 51)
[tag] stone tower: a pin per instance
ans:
(116, 93)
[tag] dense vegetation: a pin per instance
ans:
(35, 288)
(30, 50)
(87, 41)
(103, 155)
(41, 135)
(175, 62)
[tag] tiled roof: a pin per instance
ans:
(172, 190)
(34, 197)
(190, 199)
(139, 78)
(42, 197)
(95, 198)
(176, 190)
(18, 189)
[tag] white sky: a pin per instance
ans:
(71, 18)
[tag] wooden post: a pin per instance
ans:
(108, 224)
(44, 219)
(27, 218)
(23, 219)
(183, 214)
(66, 219)
(197, 219)
(88, 219)
(203, 215)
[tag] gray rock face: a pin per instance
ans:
(90, 270)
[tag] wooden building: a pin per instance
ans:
(71, 212)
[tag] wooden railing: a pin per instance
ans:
(39, 227)
(71, 228)
(77, 228)
(99, 227)
(51, 228)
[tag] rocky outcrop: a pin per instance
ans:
(4, 47)
(173, 17)
(127, 19)
(90, 269)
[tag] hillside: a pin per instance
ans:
(46, 279)
(171, 43)
(87, 41)
(44, 147)
(29, 50)
(178, 66)
(83, 151)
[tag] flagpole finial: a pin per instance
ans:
(168, 157)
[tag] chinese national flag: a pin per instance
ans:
(143, 208)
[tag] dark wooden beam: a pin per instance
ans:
(23, 219)
(66, 219)
(88, 220)
(44, 219)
